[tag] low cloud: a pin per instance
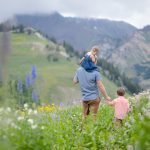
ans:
(136, 12)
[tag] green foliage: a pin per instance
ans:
(63, 129)
(70, 50)
(53, 57)
(120, 79)
(53, 40)
(19, 29)
(132, 87)
(1, 27)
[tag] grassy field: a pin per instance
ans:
(60, 128)
(54, 78)
(57, 126)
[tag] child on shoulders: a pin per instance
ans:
(89, 61)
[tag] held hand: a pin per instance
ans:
(107, 102)
(108, 98)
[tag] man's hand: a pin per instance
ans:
(108, 98)
(75, 81)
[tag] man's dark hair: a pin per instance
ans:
(121, 91)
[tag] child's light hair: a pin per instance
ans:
(95, 48)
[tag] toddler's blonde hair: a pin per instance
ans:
(95, 49)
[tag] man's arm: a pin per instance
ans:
(102, 89)
(75, 79)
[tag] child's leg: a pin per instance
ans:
(118, 122)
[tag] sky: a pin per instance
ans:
(135, 12)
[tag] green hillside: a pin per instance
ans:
(54, 77)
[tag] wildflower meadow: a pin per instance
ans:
(52, 127)
(40, 107)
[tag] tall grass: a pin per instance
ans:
(60, 128)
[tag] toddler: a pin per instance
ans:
(121, 106)
(89, 61)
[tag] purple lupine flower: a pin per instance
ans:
(35, 96)
(34, 72)
(20, 86)
(61, 104)
(28, 81)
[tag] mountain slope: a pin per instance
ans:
(80, 33)
(133, 57)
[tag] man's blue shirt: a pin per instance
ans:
(88, 85)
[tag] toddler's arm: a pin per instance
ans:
(112, 103)
(93, 58)
(82, 60)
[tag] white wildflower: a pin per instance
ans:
(137, 97)
(30, 121)
(131, 98)
(18, 128)
(29, 111)
(35, 112)
(111, 137)
(140, 116)
(20, 118)
(34, 126)
(14, 125)
(8, 109)
(129, 147)
(127, 124)
(148, 105)
(132, 119)
(147, 113)
(25, 105)
(144, 110)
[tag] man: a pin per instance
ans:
(90, 84)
